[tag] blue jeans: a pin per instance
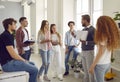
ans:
(45, 55)
(100, 71)
(75, 54)
(27, 54)
(16, 65)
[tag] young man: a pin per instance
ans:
(88, 48)
(22, 36)
(9, 59)
(71, 44)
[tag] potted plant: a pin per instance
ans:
(76, 69)
(117, 18)
(110, 75)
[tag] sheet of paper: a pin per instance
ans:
(81, 35)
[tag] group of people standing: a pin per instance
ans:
(105, 36)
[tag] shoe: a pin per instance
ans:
(46, 78)
(72, 67)
(60, 77)
(54, 76)
(39, 79)
(66, 73)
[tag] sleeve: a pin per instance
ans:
(39, 37)
(8, 40)
(19, 39)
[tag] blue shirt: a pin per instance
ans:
(71, 40)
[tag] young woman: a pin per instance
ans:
(45, 47)
(56, 56)
(106, 39)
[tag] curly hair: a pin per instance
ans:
(106, 29)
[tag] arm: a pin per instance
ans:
(19, 39)
(99, 55)
(40, 39)
(13, 54)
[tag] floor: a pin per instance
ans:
(71, 78)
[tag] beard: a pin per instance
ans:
(83, 25)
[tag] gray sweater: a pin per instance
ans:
(90, 39)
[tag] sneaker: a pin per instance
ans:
(60, 77)
(54, 76)
(39, 79)
(66, 73)
(72, 67)
(46, 78)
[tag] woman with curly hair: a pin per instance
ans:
(107, 39)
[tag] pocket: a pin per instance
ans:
(17, 62)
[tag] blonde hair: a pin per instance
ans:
(43, 26)
(107, 30)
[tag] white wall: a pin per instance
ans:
(12, 9)
(68, 14)
(55, 13)
(61, 12)
(111, 6)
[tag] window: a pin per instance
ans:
(45, 9)
(91, 7)
(97, 11)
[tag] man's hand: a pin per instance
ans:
(83, 42)
(73, 34)
(31, 43)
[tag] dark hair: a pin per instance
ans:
(51, 27)
(22, 19)
(43, 25)
(71, 22)
(86, 17)
(7, 22)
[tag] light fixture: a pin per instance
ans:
(1, 6)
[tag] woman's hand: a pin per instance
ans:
(66, 50)
(91, 69)
(48, 40)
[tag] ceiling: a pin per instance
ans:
(12, 0)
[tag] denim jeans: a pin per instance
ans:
(100, 71)
(27, 54)
(75, 54)
(16, 65)
(45, 55)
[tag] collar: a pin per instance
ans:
(88, 26)
(73, 30)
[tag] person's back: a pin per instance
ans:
(4, 54)
(9, 59)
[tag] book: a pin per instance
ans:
(29, 41)
(81, 35)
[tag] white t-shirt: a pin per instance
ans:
(106, 57)
(25, 39)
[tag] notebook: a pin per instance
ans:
(81, 35)
(29, 41)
